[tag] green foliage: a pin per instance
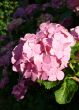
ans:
(74, 60)
(72, 66)
(64, 94)
(74, 50)
(7, 8)
(48, 84)
(77, 74)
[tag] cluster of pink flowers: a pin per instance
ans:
(45, 54)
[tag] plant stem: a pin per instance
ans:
(75, 78)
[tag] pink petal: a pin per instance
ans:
(46, 59)
(52, 78)
(60, 75)
(44, 76)
(38, 61)
(37, 48)
(27, 74)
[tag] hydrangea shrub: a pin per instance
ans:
(41, 51)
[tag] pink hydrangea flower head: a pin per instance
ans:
(75, 32)
(45, 54)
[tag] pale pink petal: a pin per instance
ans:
(60, 75)
(37, 48)
(15, 69)
(52, 78)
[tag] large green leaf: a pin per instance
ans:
(66, 92)
(48, 84)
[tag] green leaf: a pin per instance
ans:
(77, 74)
(74, 50)
(48, 84)
(66, 92)
(72, 66)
